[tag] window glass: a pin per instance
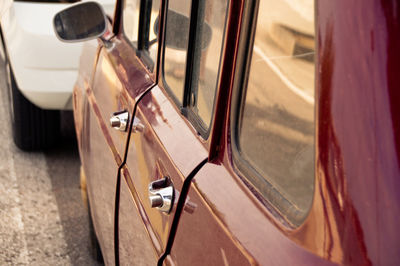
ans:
(131, 12)
(177, 35)
(152, 45)
(212, 34)
(139, 28)
(276, 126)
(206, 56)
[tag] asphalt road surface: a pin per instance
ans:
(42, 218)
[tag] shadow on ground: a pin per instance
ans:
(63, 168)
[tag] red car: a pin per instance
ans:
(240, 132)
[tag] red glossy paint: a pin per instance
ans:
(233, 26)
(355, 212)
(358, 128)
(356, 207)
(101, 91)
(100, 149)
(155, 153)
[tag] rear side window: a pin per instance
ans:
(141, 29)
(195, 33)
(175, 53)
(131, 12)
(274, 129)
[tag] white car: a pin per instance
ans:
(41, 70)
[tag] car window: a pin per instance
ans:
(191, 64)
(140, 28)
(275, 132)
(174, 55)
(131, 11)
(205, 79)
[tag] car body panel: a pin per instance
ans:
(229, 224)
(135, 248)
(104, 92)
(225, 220)
(154, 154)
(96, 141)
(358, 116)
(101, 180)
(232, 228)
(355, 211)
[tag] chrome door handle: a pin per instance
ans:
(120, 120)
(161, 194)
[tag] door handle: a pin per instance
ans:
(161, 194)
(119, 120)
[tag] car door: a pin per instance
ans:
(122, 71)
(243, 216)
(169, 140)
(255, 199)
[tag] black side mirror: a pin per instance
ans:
(176, 25)
(81, 22)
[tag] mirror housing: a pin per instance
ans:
(81, 22)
